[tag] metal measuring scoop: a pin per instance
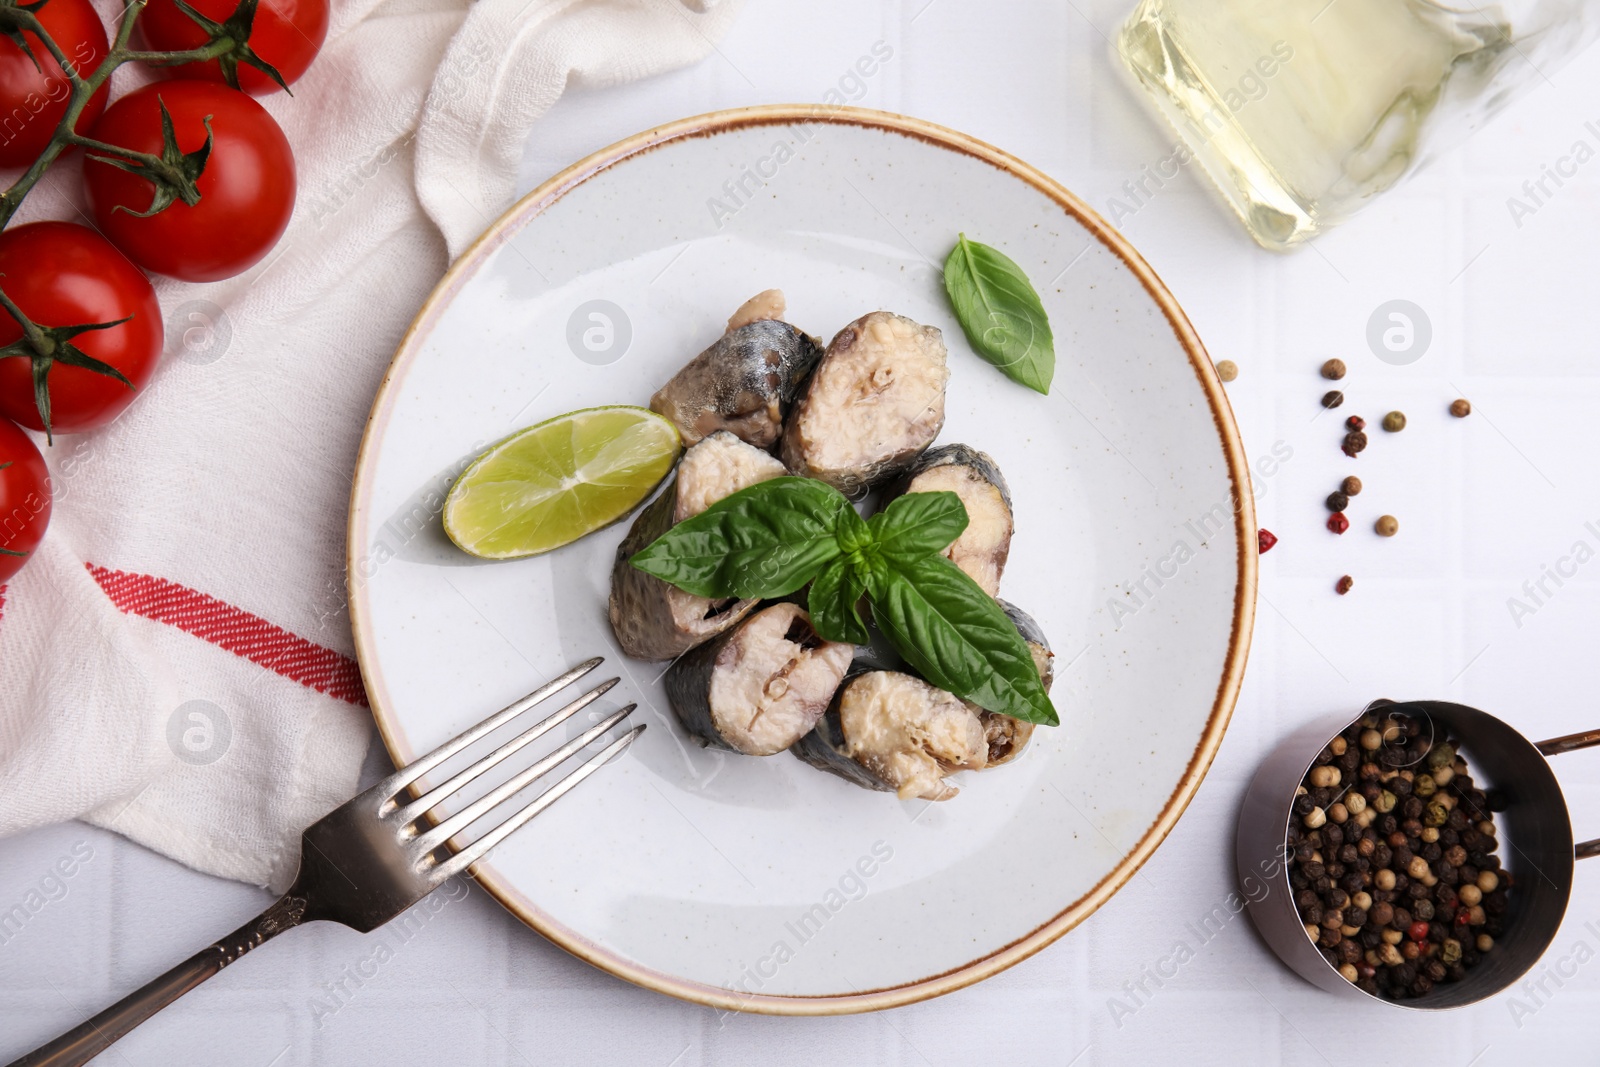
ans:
(1534, 830)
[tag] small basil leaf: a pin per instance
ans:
(959, 639)
(1001, 313)
(832, 602)
(852, 531)
(918, 525)
(871, 569)
(765, 541)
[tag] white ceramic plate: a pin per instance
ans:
(762, 884)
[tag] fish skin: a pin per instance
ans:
(823, 748)
(745, 383)
(1016, 734)
(688, 686)
(641, 605)
(962, 455)
(652, 619)
(1038, 643)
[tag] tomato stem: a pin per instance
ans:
(89, 144)
(45, 346)
(194, 55)
(37, 339)
(23, 20)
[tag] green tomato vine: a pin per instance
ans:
(173, 172)
(229, 45)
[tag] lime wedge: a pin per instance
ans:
(551, 484)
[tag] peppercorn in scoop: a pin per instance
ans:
(1393, 861)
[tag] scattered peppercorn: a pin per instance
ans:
(1355, 422)
(1333, 370)
(1338, 523)
(1265, 539)
(1332, 398)
(1396, 906)
(1337, 501)
(1227, 370)
(1354, 442)
(1387, 526)
(1461, 408)
(1351, 486)
(1395, 421)
(1346, 584)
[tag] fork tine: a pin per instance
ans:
(470, 814)
(418, 767)
(481, 847)
(433, 796)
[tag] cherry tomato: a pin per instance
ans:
(287, 34)
(60, 274)
(33, 99)
(24, 499)
(246, 189)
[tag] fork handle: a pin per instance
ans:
(79, 1046)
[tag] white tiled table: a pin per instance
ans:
(1485, 505)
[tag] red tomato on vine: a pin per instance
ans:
(282, 34)
(24, 499)
(33, 88)
(98, 319)
(225, 219)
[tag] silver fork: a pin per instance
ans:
(367, 861)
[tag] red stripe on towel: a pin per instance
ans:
(233, 629)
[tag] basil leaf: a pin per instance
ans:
(832, 603)
(958, 638)
(1001, 313)
(918, 525)
(765, 541)
(851, 531)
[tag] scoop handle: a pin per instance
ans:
(1572, 743)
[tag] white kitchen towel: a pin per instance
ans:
(175, 663)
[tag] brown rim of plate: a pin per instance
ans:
(993, 962)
